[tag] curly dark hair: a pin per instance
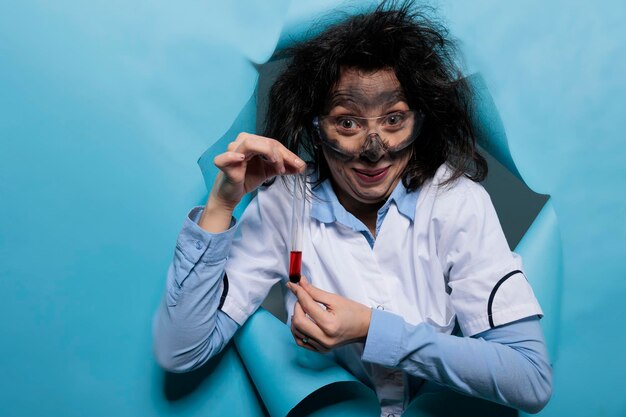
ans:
(398, 36)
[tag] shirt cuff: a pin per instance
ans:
(384, 339)
(194, 242)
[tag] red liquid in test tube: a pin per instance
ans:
(295, 266)
(297, 227)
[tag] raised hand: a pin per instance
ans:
(248, 162)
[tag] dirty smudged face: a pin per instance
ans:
(366, 137)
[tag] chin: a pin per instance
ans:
(372, 195)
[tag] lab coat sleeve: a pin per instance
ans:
(486, 280)
(508, 364)
(259, 256)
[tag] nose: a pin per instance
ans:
(373, 149)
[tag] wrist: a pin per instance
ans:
(216, 216)
(365, 322)
(216, 202)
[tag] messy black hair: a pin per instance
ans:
(396, 35)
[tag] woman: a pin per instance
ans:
(400, 240)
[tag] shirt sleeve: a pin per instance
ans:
(188, 328)
(508, 365)
(259, 256)
(486, 280)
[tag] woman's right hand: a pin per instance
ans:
(248, 162)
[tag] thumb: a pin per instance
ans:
(318, 295)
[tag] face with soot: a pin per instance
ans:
(365, 168)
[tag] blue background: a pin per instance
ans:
(105, 108)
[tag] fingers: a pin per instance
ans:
(307, 346)
(309, 305)
(310, 343)
(279, 162)
(272, 151)
(304, 327)
(304, 323)
(228, 158)
(249, 161)
(318, 295)
(233, 165)
(292, 164)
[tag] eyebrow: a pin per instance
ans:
(353, 98)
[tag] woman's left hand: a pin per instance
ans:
(321, 329)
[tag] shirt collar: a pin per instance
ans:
(326, 208)
(405, 201)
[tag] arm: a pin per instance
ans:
(188, 328)
(507, 364)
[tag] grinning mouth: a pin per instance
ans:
(369, 177)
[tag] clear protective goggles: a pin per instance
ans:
(370, 138)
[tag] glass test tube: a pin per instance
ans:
(297, 228)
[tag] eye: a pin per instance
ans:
(395, 119)
(346, 124)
